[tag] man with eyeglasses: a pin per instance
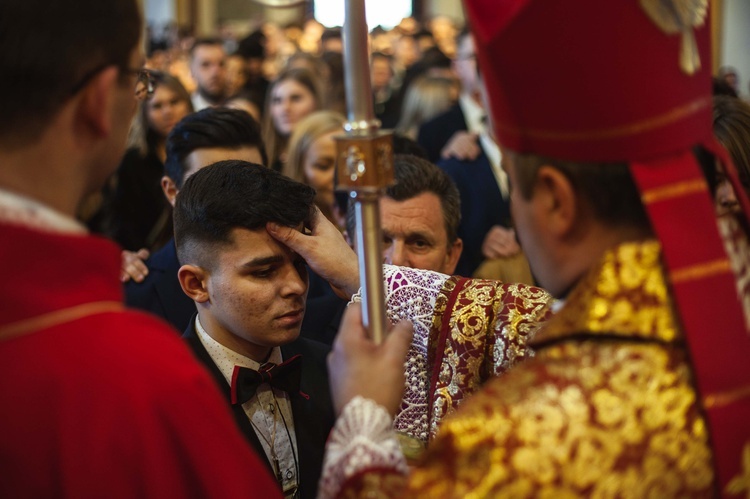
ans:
(97, 401)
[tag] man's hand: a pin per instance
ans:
(132, 266)
(357, 366)
(463, 146)
(500, 242)
(325, 250)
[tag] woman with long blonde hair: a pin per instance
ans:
(312, 157)
(425, 98)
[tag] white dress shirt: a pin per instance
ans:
(199, 102)
(270, 411)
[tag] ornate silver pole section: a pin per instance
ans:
(364, 166)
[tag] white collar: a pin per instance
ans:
(22, 210)
(473, 113)
(225, 359)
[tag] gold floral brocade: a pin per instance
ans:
(487, 331)
(627, 293)
(606, 408)
(379, 484)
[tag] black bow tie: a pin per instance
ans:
(285, 376)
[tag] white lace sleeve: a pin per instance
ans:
(362, 439)
(411, 294)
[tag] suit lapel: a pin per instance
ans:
(312, 412)
(191, 337)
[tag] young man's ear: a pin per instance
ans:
(95, 104)
(194, 282)
(170, 189)
(556, 200)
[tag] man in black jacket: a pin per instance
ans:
(200, 139)
(250, 292)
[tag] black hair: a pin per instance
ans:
(49, 52)
(424, 33)
(608, 188)
(413, 176)
(253, 46)
(209, 128)
(732, 128)
(720, 87)
(406, 145)
(331, 34)
(205, 42)
(234, 194)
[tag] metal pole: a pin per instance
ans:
(364, 167)
(367, 213)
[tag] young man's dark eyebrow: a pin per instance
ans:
(264, 260)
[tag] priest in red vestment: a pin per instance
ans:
(97, 401)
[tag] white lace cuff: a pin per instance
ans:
(362, 439)
(411, 294)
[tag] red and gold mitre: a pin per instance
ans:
(629, 81)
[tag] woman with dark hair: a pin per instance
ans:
(135, 212)
(294, 94)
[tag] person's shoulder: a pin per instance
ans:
(457, 167)
(132, 158)
(453, 115)
(124, 356)
(142, 295)
(131, 338)
(452, 166)
(160, 264)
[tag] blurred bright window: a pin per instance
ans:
(387, 13)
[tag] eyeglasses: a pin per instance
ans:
(144, 83)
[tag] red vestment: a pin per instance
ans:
(98, 401)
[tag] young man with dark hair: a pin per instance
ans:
(206, 137)
(202, 138)
(250, 292)
(208, 68)
(97, 401)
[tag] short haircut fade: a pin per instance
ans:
(206, 129)
(234, 194)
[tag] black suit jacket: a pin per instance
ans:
(482, 206)
(434, 134)
(160, 293)
(313, 413)
(322, 318)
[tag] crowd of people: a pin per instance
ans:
(425, 86)
(568, 292)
